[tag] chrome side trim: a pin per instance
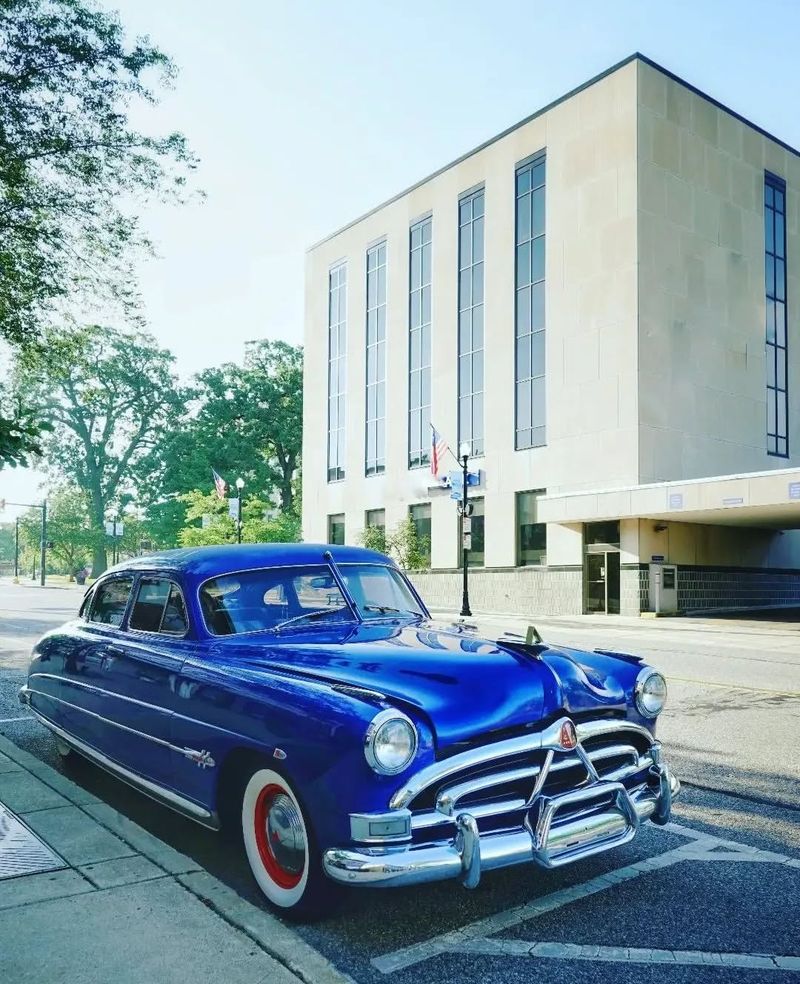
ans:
(202, 758)
(146, 786)
(133, 700)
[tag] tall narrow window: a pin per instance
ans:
(775, 273)
(470, 321)
(421, 518)
(531, 534)
(337, 369)
(375, 461)
(336, 528)
(530, 332)
(419, 346)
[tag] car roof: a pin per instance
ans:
(212, 561)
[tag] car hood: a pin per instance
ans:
(466, 683)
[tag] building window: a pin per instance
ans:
(376, 519)
(530, 314)
(336, 528)
(375, 461)
(605, 534)
(419, 346)
(476, 556)
(531, 535)
(775, 273)
(421, 518)
(470, 321)
(337, 369)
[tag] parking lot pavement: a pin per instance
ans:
(714, 897)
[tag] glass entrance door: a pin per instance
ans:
(601, 572)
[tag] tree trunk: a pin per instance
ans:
(287, 470)
(99, 555)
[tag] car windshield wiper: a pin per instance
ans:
(317, 613)
(385, 609)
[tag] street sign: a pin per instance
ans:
(233, 508)
(114, 529)
(466, 524)
(467, 541)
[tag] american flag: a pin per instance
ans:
(439, 449)
(219, 484)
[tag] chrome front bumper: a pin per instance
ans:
(599, 816)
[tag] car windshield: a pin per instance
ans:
(256, 601)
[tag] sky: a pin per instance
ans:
(306, 113)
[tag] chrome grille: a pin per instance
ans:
(21, 851)
(500, 786)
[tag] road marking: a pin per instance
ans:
(25, 717)
(734, 686)
(628, 954)
(700, 847)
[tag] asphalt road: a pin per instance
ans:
(714, 897)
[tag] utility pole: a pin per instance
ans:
(465, 536)
(43, 560)
(239, 487)
(16, 548)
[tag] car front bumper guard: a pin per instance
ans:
(546, 839)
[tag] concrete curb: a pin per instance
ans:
(129, 857)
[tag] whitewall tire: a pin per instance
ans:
(277, 840)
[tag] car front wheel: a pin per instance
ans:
(280, 847)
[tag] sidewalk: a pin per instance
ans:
(125, 907)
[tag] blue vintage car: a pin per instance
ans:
(303, 694)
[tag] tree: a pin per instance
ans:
(72, 168)
(210, 522)
(73, 173)
(408, 548)
(70, 529)
(110, 396)
(246, 421)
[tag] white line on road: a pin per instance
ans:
(701, 847)
(627, 954)
(25, 717)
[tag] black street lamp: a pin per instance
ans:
(239, 487)
(463, 451)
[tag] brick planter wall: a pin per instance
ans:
(514, 591)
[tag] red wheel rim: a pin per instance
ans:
(273, 867)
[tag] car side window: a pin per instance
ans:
(158, 607)
(111, 600)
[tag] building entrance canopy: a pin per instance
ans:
(766, 500)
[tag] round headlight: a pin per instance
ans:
(390, 742)
(650, 693)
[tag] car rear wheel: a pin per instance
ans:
(281, 848)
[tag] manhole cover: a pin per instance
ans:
(21, 851)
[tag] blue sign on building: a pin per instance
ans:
(676, 500)
(794, 490)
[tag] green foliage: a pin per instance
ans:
(110, 397)
(69, 527)
(6, 543)
(245, 422)
(373, 538)
(20, 434)
(72, 167)
(409, 549)
(258, 526)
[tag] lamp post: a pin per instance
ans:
(463, 453)
(239, 487)
(42, 543)
(113, 515)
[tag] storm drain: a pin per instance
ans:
(21, 851)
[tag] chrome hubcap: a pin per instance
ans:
(285, 833)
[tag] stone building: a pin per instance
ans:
(599, 302)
